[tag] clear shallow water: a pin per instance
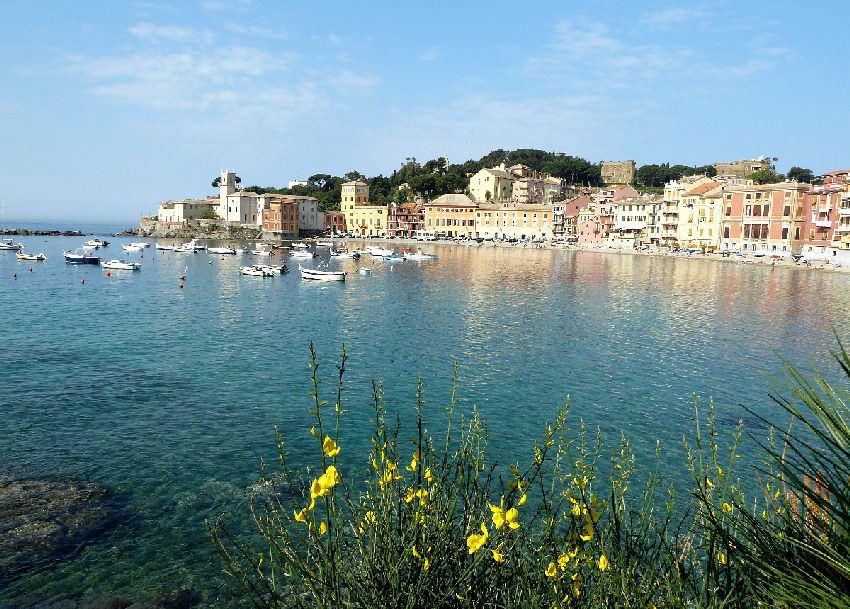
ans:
(169, 396)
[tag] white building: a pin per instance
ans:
(177, 212)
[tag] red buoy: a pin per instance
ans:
(108, 273)
(82, 280)
(15, 275)
(182, 277)
(181, 286)
(30, 269)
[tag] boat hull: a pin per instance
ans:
(321, 275)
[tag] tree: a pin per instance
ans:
(217, 182)
(798, 174)
(765, 176)
(352, 176)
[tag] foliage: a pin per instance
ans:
(795, 547)
(575, 525)
(208, 213)
(765, 176)
(658, 175)
(798, 174)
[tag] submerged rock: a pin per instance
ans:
(44, 516)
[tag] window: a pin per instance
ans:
(786, 211)
(797, 233)
(729, 211)
(725, 232)
(748, 210)
(756, 210)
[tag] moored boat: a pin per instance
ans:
(344, 254)
(420, 255)
(8, 244)
(256, 271)
(318, 275)
(301, 254)
(190, 246)
(221, 250)
(165, 248)
(324, 243)
(23, 256)
(81, 257)
(96, 243)
(378, 251)
(121, 265)
(132, 248)
(394, 258)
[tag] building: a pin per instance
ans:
(553, 190)
(361, 218)
(618, 172)
(632, 218)
(766, 219)
(281, 218)
(741, 169)
(178, 212)
(699, 217)
(450, 216)
(534, 222)
(494, 184)
(595, 224)
(335, 222)
(405, 220)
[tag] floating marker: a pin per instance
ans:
(182, 277)
(82, 280)
(15, 275)
(30, 269)
(181, 286)
(108, 273)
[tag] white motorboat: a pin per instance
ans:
(301, 254)
(255, 271)
(221, 250)
(300, 245)
(96, 243)
(394, 258)
(420, 255)
(132, 248)
(262, 252)
(121, 265)
(8, 244)
(81, 256)
(344, 254)
(23, 256)
(190, 246)
(365, 270)
(141, 244)
(324, 243)
(378, 251)
(274, 269)
(318, 275)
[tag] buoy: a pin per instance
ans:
(108, 273)
(222, 257)
(181, 285)
(141, 255)
(15, 275)
(30, 269)
(210, 262)
(82, 280)
(182, 277)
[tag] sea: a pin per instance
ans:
(165, 385)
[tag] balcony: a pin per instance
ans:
(843, 229)
(844, 211)
(823, 223)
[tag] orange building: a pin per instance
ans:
(450, 216)
(281, 217)
(334, 222)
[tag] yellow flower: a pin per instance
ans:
(551, 570)
(497, 553)
(727, 508)
(514, 471)
(368, 519)
(522, 500)
(301, 516)
(501, 517)
(323, 528)
(709, 482)
(427, 475)
(576, 585)
(425, 565)
(588, 531)
(422, 494)
(416, 554)
(329, 447)
(603, 563)
(411, 495)
(721, 558)
(563, 562)
(313, 431)
(475, 541)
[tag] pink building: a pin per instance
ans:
(766, 219)
(595, 224)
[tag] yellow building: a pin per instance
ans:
(361, 218)
(451, 215)
(535, 222)
(699, 217)
(494, 184)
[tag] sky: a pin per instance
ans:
(108, 108)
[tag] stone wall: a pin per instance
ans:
(618, 172)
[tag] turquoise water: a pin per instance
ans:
(169, 396)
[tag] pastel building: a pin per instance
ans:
(281, 218)
(534, 222)
(450, 216)
(826, 231)
(765, 219)
(405, 220)
(361, 218)
(699, 217)
(178, 212)
(595, 224)
(494, 184)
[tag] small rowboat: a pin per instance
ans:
(256, 271)
(321, 275)
(121, 265)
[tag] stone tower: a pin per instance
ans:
(226, 186)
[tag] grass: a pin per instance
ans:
(445, 525)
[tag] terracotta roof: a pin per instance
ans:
(453, 199)
(836, 173)
(701, 189)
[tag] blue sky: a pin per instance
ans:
(108, 108)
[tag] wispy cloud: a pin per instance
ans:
(256, 31)
(675, 17)
(151, 32)
(431, 54)
(334, 39)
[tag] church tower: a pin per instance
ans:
(226, 186)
